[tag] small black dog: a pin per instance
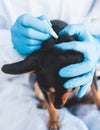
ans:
(46, 62)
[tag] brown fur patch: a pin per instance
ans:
(64, 98)
(52, 90)
(38, 91)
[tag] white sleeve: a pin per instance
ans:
(7, 53)
(8, 13)
(4, 18)
(10, 10)
(93, 20)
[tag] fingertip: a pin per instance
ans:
(68, 84)
(81, 92)
(80, 95)
(23, 18)
(83, 89)
(61, 73)
(64, 73)
(62, 32)
(69, 29)
(67, 45)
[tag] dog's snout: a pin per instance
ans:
(60, 100)
(58, 103)
(58, 106)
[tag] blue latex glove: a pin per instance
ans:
(89, 45)
(29, 32)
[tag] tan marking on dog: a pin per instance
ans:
(38, 91)
(52, 90)
(51, 97)
(32, 71)
(64, 98)
(66, 95)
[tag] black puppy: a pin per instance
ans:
(46, 62)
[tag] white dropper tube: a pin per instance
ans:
(52, 32)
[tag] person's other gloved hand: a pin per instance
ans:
(29, 32)
(89, 45)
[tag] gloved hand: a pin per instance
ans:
(89, 45)
(29, 32)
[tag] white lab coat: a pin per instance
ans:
(72, 11)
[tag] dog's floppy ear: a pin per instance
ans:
(27, 65)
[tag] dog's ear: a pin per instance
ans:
(27, 65)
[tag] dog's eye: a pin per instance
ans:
(52, 90)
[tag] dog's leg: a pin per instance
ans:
(53, 123)
(96, 92)
(39, 96)
(96, 96)
(42, 105)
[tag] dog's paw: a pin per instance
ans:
(42, 105)
(53, 125)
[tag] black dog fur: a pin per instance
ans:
(47, 61)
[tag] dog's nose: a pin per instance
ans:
(58, 106)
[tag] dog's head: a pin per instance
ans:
(46, 63)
